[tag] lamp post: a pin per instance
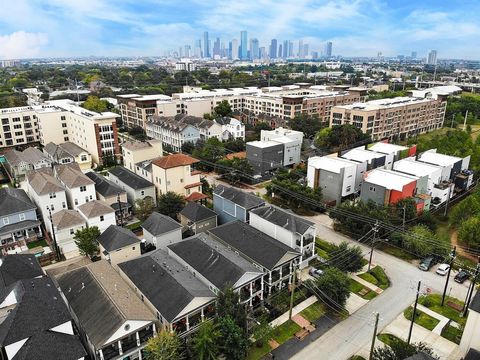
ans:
(120, 208)
(55, 245)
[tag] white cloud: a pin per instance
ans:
(22, 44)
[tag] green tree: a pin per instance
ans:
(144, 208)
(347, 258)
(212, 150)
(334, 286)
(206, 341)
(262, 332)
(228, 304)
(469, 231)
(421, 241)
(93, 103)
(465, 209)
(170, 204)
(340, 137)
(400, 350)
(86, 240)
(308, 125)
(223, 109)
(234, 342)
(165, 346)
(188, 147)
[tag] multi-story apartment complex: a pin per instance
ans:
(388, 118)
(135, 109)
(60, 121)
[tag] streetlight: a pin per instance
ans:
(55, 245)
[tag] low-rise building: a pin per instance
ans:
(233, 204)
(144, 169)
(36, 323)
(398, 151)
(65, 223)
(291, 140)
(265, 156)
(174, 173)
(137, 187)
(79, 188)
(452, 165)
(385, 187)
(160, 230)
(428, 175)
(47, 192)
(137, 151)
(19, 224)
(98, 213)
(336, 177)
(232, 129)
(275, 259)
(113, 321)
(118, 244)
(18, 163)
(113, 195)
(219, 267)
(368, 160)
(136, 109)
(284, 226)
(180, 301)
(68, 152)
(197, 218)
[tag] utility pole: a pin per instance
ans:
(474, 281)
(453, 118)
(292, 293)
(448, 199)
(453, 254)
(375, 230)
(374, 335)
(465, 121)
(413, 314)
(404, 214)
(120, 209)
(55, 245)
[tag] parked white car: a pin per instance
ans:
(443, 269)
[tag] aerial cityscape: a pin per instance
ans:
(245, 181)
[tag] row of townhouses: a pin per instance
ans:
(386, 173)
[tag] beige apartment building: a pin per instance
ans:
(135, 151)
(136, 109)
(400, 117)
(60, 121)
(174, 173)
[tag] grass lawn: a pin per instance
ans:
(134, 226)
(356, 287)
(434, 301)
(256, 353)
(377, 277)
(34, 244)
(285, 331)
(452, 333)
(387, 339)
(324, 248)
(421, 319)
(397, 252)
(313, 312)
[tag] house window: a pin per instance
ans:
(83, 188)
(181, 180)
(142, 192)
(102, 218)
(168, 182)
(53, 195)
(133, 248)
(76, 201)
(372, 189)
(52, 207)
(64, 205)
(21, 216)
(72, 232)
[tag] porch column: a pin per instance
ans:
(100, 352)
(261, 288)
(120, 351)
(188, 323)
(202, 315)
(251, 293)
(154, 328)
(137, 335)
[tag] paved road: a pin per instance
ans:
(354, 334)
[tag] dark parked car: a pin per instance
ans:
(426, 263)
(462, 276)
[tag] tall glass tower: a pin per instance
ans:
(243, 45)
(206, 45)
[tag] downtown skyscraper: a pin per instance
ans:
(243, 45)
(328, 49)
(206, 45)
(273, 49)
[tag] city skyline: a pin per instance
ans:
(126, 28)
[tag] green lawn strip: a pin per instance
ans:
(313, 312)
(397, 252)
(382, 279)
(34, 244)
(421, 319)
(434, 303)
(388, 339)
(285, 331)
(256, 353)
(369, 277)
(453, 334)
(134, 225)
(356, 287)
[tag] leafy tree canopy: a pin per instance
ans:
(86, 240)
(170, 204)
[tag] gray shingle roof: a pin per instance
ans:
(101, 300)
(39, 307)
(104, 186)
(196, 212)
(253, 244)
(67, 218)
(283, 218)
(19, 226)
(472, 355)
(72, 176)
(116, 237)
(95, 208)
(169, 286)
(18, 267)
(130, 179)
(30, 155)
(239, 197)
(158, 224)
(48, 345)
(43, 182)
(213, 260)
(14, 201)
(475, 303)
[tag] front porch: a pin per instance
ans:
(15, 237)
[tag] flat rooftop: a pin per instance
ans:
(333, 164)
(389, 179)
(438, 159)
(385, 103)
(414, 167)
(387, 148)
(362, 155)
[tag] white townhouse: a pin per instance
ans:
(79, 187)
(98, 213)
(65, 223)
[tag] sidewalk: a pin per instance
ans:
(367, 284)
(296, 309)
(443, 319)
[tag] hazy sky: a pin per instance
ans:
(44, 28)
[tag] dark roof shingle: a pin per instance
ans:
(158, 224)
(13, 201)
(196, 212)
(283, 218)
(18, 267)
(130, 178)
(116, 237)
(239, 197)
(104, 186)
